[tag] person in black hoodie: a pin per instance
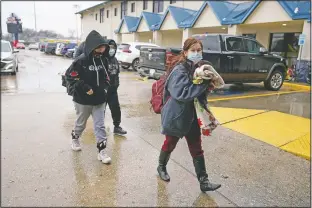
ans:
(112, 95)
(88, 81)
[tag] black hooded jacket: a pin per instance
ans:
(89, 72)
(113, 66)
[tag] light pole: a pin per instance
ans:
(76, 6)
(35, 16)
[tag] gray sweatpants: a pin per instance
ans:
(83, 112)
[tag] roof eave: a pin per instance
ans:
(89, 8)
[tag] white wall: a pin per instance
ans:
(172, 38)
(306, 49)
(268, 11)
(145, 37)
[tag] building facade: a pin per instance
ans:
(275, 24)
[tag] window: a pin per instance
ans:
(250, 35)
(172, 1)
(234, 44)
(252, 46)
(101, 15)
(158, 6)
(132, 7)
(145, 4)
(107, 13)
(96, 16)
(124, 5)
(286, 45)
(115, 12)
(210, 43)
(284, 42)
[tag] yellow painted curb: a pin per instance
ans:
(273, 127)
(288, 132)
(253, 96)
(295, 86)
(300, 147)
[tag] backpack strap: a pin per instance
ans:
(166, 93)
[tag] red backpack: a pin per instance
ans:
(157, 94)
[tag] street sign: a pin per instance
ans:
(301, 39)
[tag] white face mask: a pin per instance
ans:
(112, 52)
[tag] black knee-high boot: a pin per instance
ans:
(162, 170)
(202, 176)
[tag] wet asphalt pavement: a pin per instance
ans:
(40, 169)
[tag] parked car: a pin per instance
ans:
(70, 53)
(59, 47)
(50, 48)
(128, 54)
(42, 46)
(9, 61)
(20, 46)
(238, 59)
(68, 46)
(33, 46)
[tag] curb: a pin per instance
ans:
(297, 86)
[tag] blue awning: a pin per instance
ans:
(231, 14)
(151, 19)
(297, 9)
(130, 22)
(180, 16)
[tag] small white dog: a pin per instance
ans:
(207, 72)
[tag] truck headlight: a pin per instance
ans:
(10, 58)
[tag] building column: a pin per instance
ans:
(117, 38)
(157, 38)
(187, 32)
(302, 67)
(306, 48)
(135, 37)
(234, 30)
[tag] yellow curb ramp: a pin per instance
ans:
(288, 132)
(225, 115)
(295, 86)
(300, 147)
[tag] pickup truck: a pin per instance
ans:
(238, 59)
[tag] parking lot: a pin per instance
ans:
(263, 143)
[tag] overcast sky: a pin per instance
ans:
(51, 15)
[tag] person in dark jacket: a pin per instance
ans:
(178, 115)
(79, 50)
(112, 95)
(88, 81)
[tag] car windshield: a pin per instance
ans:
(5, 47)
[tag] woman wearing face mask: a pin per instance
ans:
(178, 116)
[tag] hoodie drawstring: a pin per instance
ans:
(97, 73)
(105, 70)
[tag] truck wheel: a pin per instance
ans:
(135, 64)
(275, 81)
